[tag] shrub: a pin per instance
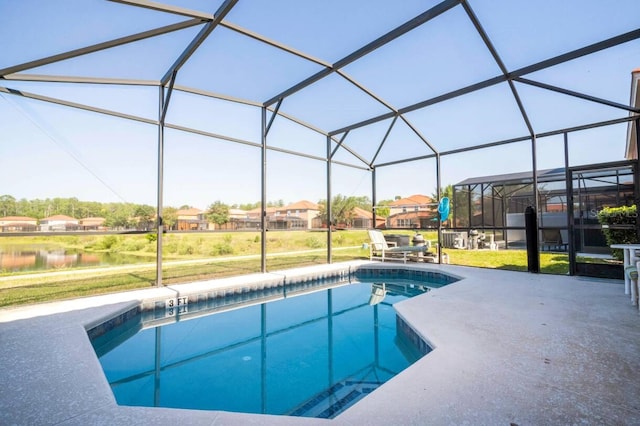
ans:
(170, 246)
(225, 249)
(221, 249)
(73, 240)
(313, 242)
(619, 226)
(185, 248)
(133, 244)
(108, 242)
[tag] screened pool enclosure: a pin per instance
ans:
(179, 104)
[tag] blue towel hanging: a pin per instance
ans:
(443, 208)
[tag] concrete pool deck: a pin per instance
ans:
(509, 348)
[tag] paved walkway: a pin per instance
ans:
(510, 348)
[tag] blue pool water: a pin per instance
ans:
(307, 353)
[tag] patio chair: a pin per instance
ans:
(379, 248)
(631, 272)
(378, 292)
(552, 239)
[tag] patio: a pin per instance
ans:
(185, 102)
(510, 348)
(266, 103)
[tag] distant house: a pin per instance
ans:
(59, 222)
(416, 211)
(237, 214)
(242, 219)
(358, 219)
(255, 214)
(252, 219)
(363, 219)
(93, 224)
(18, 224)
(191, 219)
(298, 215)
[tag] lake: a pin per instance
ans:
(43, 258)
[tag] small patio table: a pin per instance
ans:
(629, 259)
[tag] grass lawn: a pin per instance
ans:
(214, 253)
(513, 260)
(36, 289)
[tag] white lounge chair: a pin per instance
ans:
(379, 248)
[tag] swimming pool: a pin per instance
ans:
(304, 349)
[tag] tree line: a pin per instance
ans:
(342, 209)
(142, 216)
(116, 215)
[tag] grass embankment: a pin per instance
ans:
(215, 252)
(212, 255)
(58, 287)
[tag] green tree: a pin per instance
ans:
(446, 191)
(342, 208)
(247, 206)
(7, 205)
(25, 207)
(279, 203)
(382, 209)
(170, 217)
(118, 220)
(119, 215)
(218, 213)
(144, 216)
(92, 209)
(38, 208)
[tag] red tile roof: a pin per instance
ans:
(93, 220)
(257, 210)
(362, 213)
(413, 200)
(301, 205)
(17, 218)
(189, 212)
(60, 217)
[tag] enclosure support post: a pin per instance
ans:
(159, 221)
(163, 102)
(531, 231)
(374, 199)
(536, 199)
(263, 195)
(469, 211)
(439, 196)
(569, 194)
(636, 175)
(328, 205)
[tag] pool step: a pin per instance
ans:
(334, 400)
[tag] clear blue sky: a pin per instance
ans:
(48, 150)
